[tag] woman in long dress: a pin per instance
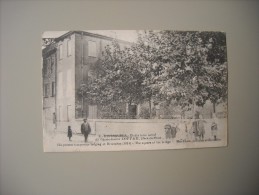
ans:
(214, 127)
(181, 131)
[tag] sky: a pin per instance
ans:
(127, 35)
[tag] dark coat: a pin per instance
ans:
(85, 128)
(173, 132)
(69, 133)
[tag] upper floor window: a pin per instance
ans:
(46, 90)
(53, 89)
(60, 47)
(52, 64)
(46, 67)
(92, 50)
(69, 48)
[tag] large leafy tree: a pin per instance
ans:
(190, 67)
(116, 79)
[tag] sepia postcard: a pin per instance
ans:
(118, 90)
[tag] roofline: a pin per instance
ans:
(89, 34)
(49, 49)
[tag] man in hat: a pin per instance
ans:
(85, 129)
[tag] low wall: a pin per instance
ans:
(132, 126)
(100, 125)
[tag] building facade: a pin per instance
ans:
(67, 65)
(49, 69)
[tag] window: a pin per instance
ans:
(92, 49)
(46, 90)
(53, 91)
(69, 49)
(52, 64)
(47, 66)
(60, 52)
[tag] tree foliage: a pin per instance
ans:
(117, 78)
(187, 67)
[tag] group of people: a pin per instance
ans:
(190, 130)
(85, 130)
(194, 128)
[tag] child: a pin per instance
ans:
(69, 133)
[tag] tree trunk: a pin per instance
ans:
(150, 110)
(214, 108)
(193, 111)
(82, 110)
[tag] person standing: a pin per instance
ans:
(69, 133)
(54, 119)
(214, 127)
(170, 132)
(181, 128)
(201, 127)
(85, 129)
